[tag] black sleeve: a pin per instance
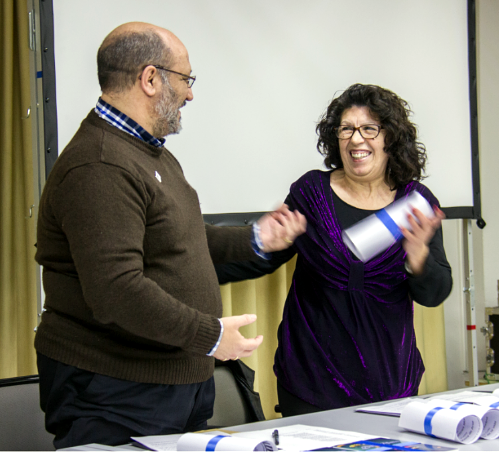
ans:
(433, 286)
(240, 271)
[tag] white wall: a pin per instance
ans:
(488, 104)
(486, 241)
(454, 306)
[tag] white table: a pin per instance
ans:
(377, 425)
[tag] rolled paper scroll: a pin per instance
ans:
(206, 442)
(379, 231)
(489, 416)
(440, 422)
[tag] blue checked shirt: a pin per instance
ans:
(118, 119)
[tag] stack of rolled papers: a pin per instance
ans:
(489, 416)
(454, 422)
(379, 231)
(198, 442)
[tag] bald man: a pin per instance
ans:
(133, 313)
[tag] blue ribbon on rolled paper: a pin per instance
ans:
(387, 220)
(428, 418)
(212, 443)
(457, 405)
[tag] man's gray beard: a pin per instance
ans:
(166, 110)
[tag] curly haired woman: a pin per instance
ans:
(347, 335)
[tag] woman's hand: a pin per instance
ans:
(416, 241)
(279, 229)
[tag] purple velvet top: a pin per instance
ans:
(347, 334)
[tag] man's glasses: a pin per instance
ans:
(188, 79)
(367, 131)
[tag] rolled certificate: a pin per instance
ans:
(379, 231)
(200, 441)
(489, 416)
(440, 422)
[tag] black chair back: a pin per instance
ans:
(22, 422)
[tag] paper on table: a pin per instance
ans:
(388, 409)
(489, 416)
(202, 442)
(92, 446)
(306, 437)
(478, 398)
(125, 447)
(101, 447)
(441, 422)
(158, 442)
(490, 401)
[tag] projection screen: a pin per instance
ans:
(266, 71)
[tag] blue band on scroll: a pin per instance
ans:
(212, 443)
(428, 418)
(457, 405)
(494, 405)
(389, 223)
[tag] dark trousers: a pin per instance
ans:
(82, 407)
(291, 405)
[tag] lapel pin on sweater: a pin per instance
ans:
(156, 174)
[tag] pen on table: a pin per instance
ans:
(275, 435)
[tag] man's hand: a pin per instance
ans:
(233, 344)
(279, 229)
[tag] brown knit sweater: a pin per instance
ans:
(128, 274)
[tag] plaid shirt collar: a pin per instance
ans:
(118, 119)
